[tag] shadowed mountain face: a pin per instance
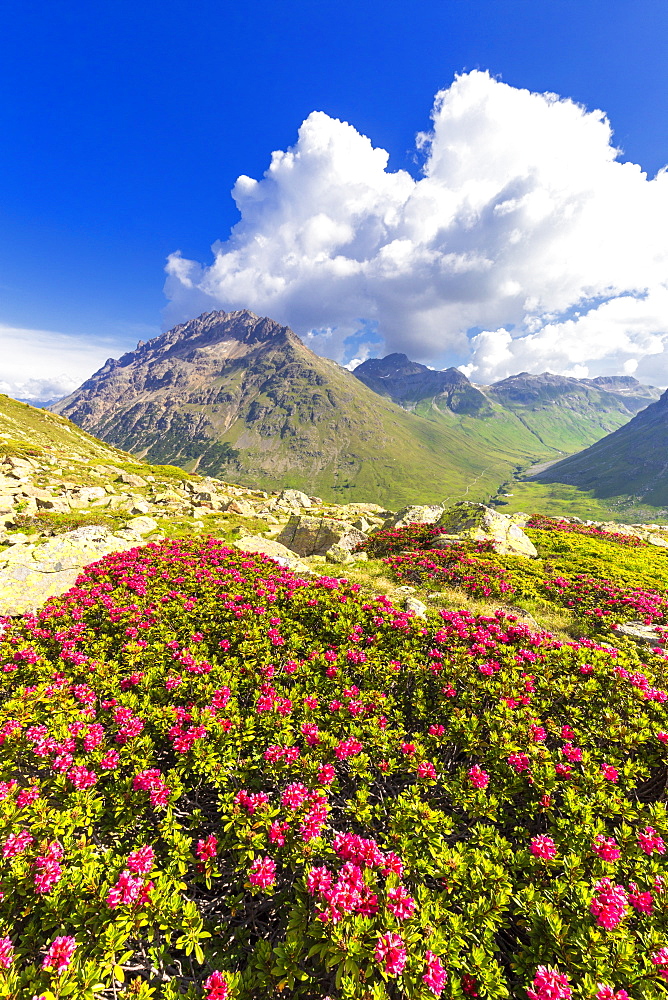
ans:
(631, 462)
(407, 382)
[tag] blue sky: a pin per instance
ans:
(125, 125)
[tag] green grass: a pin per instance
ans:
(561, 500)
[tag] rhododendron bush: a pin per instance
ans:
(222, 780)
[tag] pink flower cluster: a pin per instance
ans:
(152, 781)
(391, 953)
(609, 903)
(262, 872)
(543, 847)
(59, 954)
(129, 890)
(550, 984)
(217, 987)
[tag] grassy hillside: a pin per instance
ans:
(630, 465)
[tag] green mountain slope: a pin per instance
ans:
(631, 463)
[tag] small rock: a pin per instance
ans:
(18, 538)
(131, 480)
(475, 522)
(417, 607)
(406, 590)
(645, 635)
(242, 507)
(294, 498)
(310, 536)
(139, 507)
(142, 525)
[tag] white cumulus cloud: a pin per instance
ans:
(525, 243)
(41, 365)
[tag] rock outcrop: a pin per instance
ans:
(30, 574)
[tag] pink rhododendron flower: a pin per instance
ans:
(469, 985)
(277, 832)
(326, 774)
(606, 848)
(478, 777)
(47, 873)
(262, 872)
(609, 903)
(391, 953)
(27, 796)
(650, 841)
(347, 748)
(216, 987)
(59, 954)
(550, 984)
(6, 953)
(208, 848)
(426, 770)
(400, 903)
(435, 976)
(128, 890)
(81, 777)
(609, 773)
(604, 992)
(642, 902)
(17, 843)
(519, 762)
(294, 795)
(543, 847)
(110, 761)
(141, 861)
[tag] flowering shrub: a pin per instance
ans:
(388, 541)
(589, 530)
(221, 780)
(455, 567)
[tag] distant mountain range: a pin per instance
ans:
(240, 396)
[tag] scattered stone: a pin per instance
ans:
(18, 538)
(476, 522)
(130, 480)
(242, 507)
(405, 590)
(293, 498)
(645, 635)
(50, 569)
(139, 507)
(363, 525)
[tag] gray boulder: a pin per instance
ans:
(316, 536)
(279, 553)
(644, 635)
(420, 514)
(477, 523)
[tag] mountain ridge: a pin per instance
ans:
(235, 394)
